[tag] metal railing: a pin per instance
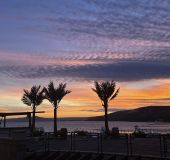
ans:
(128, 144)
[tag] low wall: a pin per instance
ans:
(7, 149)
(12, 131)
(13, 147)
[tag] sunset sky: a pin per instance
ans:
(81, 41)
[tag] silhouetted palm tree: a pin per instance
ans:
(106, 91)
(33, 98)
(54, 96)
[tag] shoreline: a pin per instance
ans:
(95, 126)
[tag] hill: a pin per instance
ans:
(40, 119)
(144, 114)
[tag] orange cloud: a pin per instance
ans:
(82, 100)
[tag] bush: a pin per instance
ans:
(62, 133)
(38, 132)
(138, 132)
(81, 133)
(115, 131)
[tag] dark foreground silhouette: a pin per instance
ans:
(144, 114)
(60, 155)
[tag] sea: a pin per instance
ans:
(96, 126)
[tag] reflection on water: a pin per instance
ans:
(94, 126)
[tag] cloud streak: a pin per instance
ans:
(120, 71)
(102, 110)
(86, 39)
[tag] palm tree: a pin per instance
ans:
(33, 98)
(106, 91)
(54, 96)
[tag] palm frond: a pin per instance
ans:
(61, 91)
(55, 95)
(33, 97)
(115, 94)
(99, 90)
(105, 90)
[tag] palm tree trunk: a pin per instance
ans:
(33, 118)
(106, 119)
(55, 119)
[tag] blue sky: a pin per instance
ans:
(84, 40)
(131, 34)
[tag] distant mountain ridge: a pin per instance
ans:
(143, 114)
(41, 119)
